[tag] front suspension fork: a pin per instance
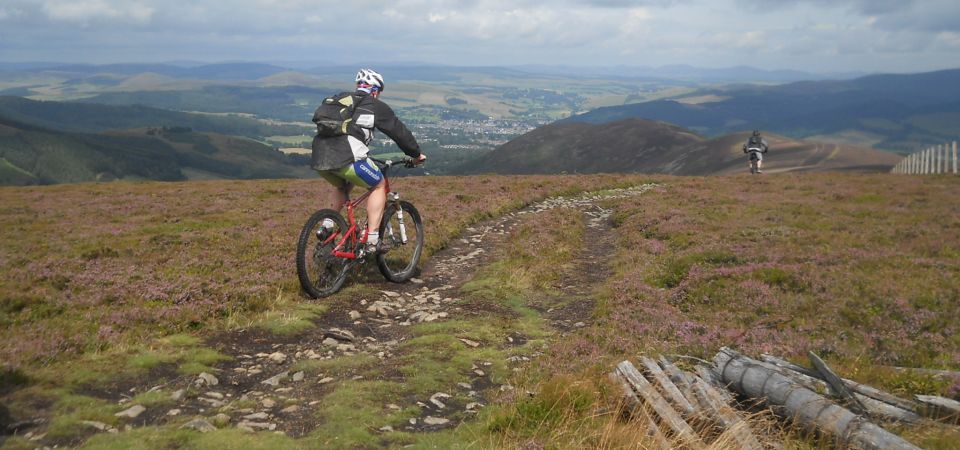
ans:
(394, 197)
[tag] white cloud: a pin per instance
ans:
(949, 40)
(10, 13)
(83, 11)
(805, 34)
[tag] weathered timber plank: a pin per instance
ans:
(682, 380)
(864, 389)
(725, 415)
(672, 392)
(874, 408)
(637, 411)
(663, 409)
(940, 408)
(839, 387)
(711, 377)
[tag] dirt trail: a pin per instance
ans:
(265, 375)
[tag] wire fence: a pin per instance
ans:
(932, 160)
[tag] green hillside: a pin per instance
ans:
(32, 155)
(94, 118)
(645, 146)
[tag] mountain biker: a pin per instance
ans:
(756, 146)
(343, 162)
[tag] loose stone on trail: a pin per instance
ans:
(206, 379)
(200, 425)
(276, 379)
(99, 426)
(132, 412)
(430, 420)
(278, 357)
(257, 416)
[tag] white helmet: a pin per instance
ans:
(371, 77)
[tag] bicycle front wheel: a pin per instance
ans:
(320, 272)
(401, 237)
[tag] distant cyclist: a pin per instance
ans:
(342, 160)
(756, 146)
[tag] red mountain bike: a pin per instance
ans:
(324, 259)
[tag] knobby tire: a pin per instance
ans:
(398, 262)
(321, 274)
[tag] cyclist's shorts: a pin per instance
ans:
(364, 173)
(756, 156)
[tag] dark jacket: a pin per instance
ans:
(757, 143)
(335, 152)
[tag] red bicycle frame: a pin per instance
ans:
(350, 236)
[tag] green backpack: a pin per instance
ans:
(334, 116)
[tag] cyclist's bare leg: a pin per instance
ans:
(376, 203)
(339, 196)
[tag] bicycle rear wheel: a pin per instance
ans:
(398, 258)
(321, 274)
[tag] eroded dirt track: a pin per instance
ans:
(276, 383)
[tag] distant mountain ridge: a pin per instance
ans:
(645, 146)
(248, 71)
(898, 112)
(222, 71)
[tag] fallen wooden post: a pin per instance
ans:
(682, 380)
(790, 400)
(839, 387)
(874, 408)
(673, 393)
(636, 410)
(663, 409)
(940, 408)
(725, 415)
(863, 389)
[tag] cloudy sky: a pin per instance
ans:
(812, 35)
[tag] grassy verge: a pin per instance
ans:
(859, 269)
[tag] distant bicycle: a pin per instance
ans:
(326, 256)
(756, 158)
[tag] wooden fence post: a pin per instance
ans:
(954, 157)
(936, 160)
(940, 159)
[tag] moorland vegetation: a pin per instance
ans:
(107, 283)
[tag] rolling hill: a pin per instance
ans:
(34, 155)
(639, 145)
(95, 118)
(896, 112)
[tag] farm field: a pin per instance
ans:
(123, 294)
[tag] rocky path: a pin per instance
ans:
(268, 385)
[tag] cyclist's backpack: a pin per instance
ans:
(334, 116)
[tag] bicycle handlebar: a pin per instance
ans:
(387, 163)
